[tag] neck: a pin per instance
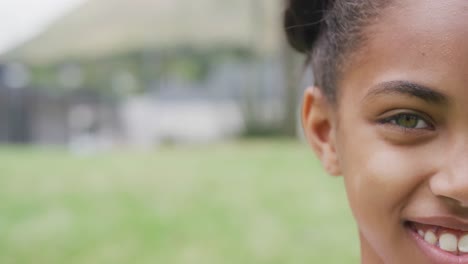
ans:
(368, 255)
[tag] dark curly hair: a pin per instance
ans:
(326, 31)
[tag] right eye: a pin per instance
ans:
(408, 121)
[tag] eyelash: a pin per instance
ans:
(393, 121)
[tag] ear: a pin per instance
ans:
(318, 121)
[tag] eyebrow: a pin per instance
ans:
(408, 89)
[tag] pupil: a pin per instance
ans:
(408, 121)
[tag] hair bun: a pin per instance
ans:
(303, 21)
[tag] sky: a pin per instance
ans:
(23, 19)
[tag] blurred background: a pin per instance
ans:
(159, 131)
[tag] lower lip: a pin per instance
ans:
(435, 254)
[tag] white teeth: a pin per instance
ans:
(430, 238)
(421, 233)
(463, 244)
(448, 242)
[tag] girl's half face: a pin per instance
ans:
(401, 134)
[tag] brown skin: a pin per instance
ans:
(392, 173)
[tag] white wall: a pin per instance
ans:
(148, 122)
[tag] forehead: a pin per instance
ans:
(426, 25)
(419, 40)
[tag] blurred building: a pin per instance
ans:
(146, 72)
(32, 115)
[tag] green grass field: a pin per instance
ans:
(250, 202)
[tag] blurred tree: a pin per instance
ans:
(292, 76)
(250, 95)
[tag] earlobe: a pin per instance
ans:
(318, 121)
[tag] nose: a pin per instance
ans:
(451, 182)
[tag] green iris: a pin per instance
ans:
(407, 121)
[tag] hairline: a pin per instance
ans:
(333, 57)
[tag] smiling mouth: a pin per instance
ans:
(448, 240)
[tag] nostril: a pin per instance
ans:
(451, 190)
(454, 203)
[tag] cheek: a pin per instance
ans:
(380, 180)
(380, 176)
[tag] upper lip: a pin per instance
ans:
(448, 222)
